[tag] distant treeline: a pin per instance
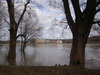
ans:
(93, 39)
(7, 42)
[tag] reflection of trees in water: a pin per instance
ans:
(93, 56)
(31, 57)
(95, 47)
(3, 54)
(27, 56)
(92, 64)
(0, 47)
(66, 53)
(95, 50)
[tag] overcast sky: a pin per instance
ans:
(46, 15)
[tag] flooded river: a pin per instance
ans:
(52, 54)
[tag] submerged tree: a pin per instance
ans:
(80, 26)
(28, 30)
(13, 29)
(16, 10)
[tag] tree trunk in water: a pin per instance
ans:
(13, 29)
(12, 50)
(77, 56)
(23, 46)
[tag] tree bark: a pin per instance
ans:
(80, 28)
(77, 56)
(80, 37)
(12, 50)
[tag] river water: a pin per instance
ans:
(51, 55)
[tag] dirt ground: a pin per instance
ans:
(46, 70)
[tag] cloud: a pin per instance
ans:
(46, 16)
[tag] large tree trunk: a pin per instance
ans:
(12, 49)
(80, 27)
(77, 56)
(12, 46)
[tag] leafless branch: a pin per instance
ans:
(25, 7)
(97, 22)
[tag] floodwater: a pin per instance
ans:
(51, 55)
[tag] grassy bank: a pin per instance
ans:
(38, 70)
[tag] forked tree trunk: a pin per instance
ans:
(80, 27)
(12, 50)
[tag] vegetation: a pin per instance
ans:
(38, 70)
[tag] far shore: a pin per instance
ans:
(91, 42)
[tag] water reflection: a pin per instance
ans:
(51, 54)
(92, 54)
(3, 54)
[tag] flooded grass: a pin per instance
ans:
(46, 70)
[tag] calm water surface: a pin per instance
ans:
(51, 54)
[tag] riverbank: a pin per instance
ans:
(46, 70)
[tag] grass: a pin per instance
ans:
(46, 70)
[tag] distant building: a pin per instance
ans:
(36, 41)
(47, 41)
(53, 41)
(40, 40)
(59, 41)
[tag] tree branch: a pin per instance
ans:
(90, 6)
(77, 10)
(68, 14)
(97, 3)
(97, 11)
(25, 7)
(7, 21)
(20, 35)
(98, 22)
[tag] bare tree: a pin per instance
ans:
(62, 24)
(28, 30)
(13, 29)
(80, 27)
(80, 18)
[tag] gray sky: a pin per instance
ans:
(46, 14)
